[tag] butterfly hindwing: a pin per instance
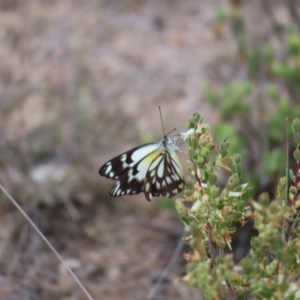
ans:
(124, 187)
(165, 178)
(131, 181)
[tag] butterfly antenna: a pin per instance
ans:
(162, 123)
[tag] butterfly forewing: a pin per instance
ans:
(121, 164)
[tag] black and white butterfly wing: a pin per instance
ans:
(126, 169)
(121, 164)
(152, 168)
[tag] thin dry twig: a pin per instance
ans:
(46, 241)
(158, 229)
(199, 181)
(291, 227)
(287, 161)
(167, 269)
(297, 179)
(213, 250)
(232, 293)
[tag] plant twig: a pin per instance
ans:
(213, 250)
(296, 183)
(287, 161)
(158, 229)
(46, 241)
(199, 181)
(231, 290)
(167, 269)
(291, 227)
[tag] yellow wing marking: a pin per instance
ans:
(151, 160)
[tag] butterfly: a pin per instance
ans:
(153, 169)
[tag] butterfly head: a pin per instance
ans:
(169, 143)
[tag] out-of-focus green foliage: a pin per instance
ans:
(257, 105)
(271, 269)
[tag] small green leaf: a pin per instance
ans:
(293, 190)
(292, 175)
(200, 160)
(297, 154)
(212, 179)
(296, 126)
(297, 139)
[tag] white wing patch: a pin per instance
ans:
(160, 170)
(143, 152)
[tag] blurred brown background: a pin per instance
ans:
(80, 82)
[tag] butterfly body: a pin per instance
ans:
(152, 168)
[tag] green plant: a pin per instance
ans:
(253, 109)
(271, 268)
